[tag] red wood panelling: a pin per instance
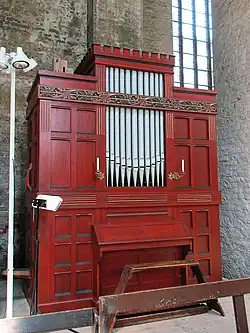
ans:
(113, 264)
(69, 260)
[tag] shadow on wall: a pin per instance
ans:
(19, 243)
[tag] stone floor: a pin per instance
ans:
(20, 306)
(205, 323)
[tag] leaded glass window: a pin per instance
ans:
(192, 43)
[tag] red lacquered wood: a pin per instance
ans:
(125, 58)
(132, 225)
(195, 94)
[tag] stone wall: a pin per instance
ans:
(232, 68)
(44, 29)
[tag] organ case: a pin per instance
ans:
(134, 159)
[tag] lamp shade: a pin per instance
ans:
(32, 65)
(20, 60)
(3, 59)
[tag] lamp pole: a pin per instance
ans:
(10, 265)
(9, 63)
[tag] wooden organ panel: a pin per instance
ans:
(134, 160)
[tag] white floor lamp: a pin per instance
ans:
(9, 63)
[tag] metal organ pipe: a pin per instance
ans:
(135, 147)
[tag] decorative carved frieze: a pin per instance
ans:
(129, 100)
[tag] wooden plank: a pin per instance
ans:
(240, 314)
(19, 273)
(48, 322)
(163, 264)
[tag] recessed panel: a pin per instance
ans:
(84, 283)
(86, 122)
(181, 128)
(205, 267)
(86, 163)
(60, 120)
(62, 255)
(33, 171)
(83, 254)
(202, 244)
(138, 217)
(60, 163)
(200, 129)
(161, 254)
(202, 220)
(201, 167)
(83, 223)
(186, 218)
(62, 226)
(112, 265)
(62, 284)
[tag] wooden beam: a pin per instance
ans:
(240, 314)
(167, 298)
(19, 273)
(48, 322)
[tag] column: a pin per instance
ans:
(232, 73)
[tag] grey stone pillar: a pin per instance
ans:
(140, 24)
(232, 69)
(115, 22)
(157, 26)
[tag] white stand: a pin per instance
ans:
(10, 267)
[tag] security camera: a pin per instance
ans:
(47, 202)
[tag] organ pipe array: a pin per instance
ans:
(135, 145)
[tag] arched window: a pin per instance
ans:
(192, 43)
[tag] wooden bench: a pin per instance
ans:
(172, 298)
(129, 270)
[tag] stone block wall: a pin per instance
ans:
(44, 29)
(232, 69)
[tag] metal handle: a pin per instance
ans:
(27, 178)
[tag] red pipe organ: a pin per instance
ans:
(134, 159)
